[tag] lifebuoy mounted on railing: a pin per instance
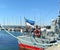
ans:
(37, 32)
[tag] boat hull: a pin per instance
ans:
(28, 47)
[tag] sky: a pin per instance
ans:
(12, 12)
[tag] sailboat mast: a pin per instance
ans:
(59, 7)
(20, 21)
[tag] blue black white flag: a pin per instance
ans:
(29, 22)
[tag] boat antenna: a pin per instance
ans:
(59, 12)
(59, 9)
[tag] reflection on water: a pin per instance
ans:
(7, 42)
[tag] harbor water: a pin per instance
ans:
(7, 42)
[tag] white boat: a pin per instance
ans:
(40, 43)
(36, 43)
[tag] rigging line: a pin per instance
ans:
(9, 32)
(13, 35)
(24, 40)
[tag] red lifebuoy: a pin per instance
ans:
(37, 32)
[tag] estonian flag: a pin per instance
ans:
(29, 22)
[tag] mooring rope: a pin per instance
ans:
(28, 41)
(9, 32)
(13, 35)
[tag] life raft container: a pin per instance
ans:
(37, 32)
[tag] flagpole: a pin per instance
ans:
(24, 20)
(25, 24)
(34, 19)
